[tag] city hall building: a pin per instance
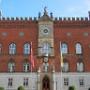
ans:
(54, 42)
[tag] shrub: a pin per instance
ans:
(21, 88)
(71, 88)
(1, 88)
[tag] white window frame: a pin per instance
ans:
(66, 81)
(25, 82)
(80, 66)
(12, 49)
(10, 82)
(26, 67)
(65, 67)
(64, 48)
(11, 66)
(81, 82)
(26, 49)
(78, 48)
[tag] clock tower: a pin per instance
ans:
(45, 35)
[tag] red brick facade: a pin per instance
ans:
(68, 31)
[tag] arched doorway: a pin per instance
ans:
(46, 83)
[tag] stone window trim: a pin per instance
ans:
(27, 48)
(81, 82)
(66, 81)
(12, 48)
(78, 67)
(26, 67)
(78, 48)
(25, 82)
(64, 48)
(10, 82)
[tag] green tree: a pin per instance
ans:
(1, 88)
(21, 88)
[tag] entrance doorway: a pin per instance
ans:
(46, 83)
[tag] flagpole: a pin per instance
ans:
(32, 58)
(61, 61)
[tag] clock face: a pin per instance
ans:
(46, 30)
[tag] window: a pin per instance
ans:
(11, 66)
(46, 49)
(81, 82)
(12, 48)
(0, 48)
(78, 48)
(80, 67)
(25, 82)
(26, 67)
(64, 48)
(65, 67)
(66, 81)
(27, 49)
(10, 82)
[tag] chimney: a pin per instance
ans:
(89, 15)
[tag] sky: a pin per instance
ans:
(31, 8)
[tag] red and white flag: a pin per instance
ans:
(61, 55)
(32, 58)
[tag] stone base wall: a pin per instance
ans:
(58, 79)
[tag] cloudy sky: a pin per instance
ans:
(60, 8)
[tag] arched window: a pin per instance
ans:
(64, 48)
(78, 47)
(65, 67)
(0, 48)
(26, 48)
(80, 66)
(12, 48)
(46, 49)
(11, 66)
(26, 67)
